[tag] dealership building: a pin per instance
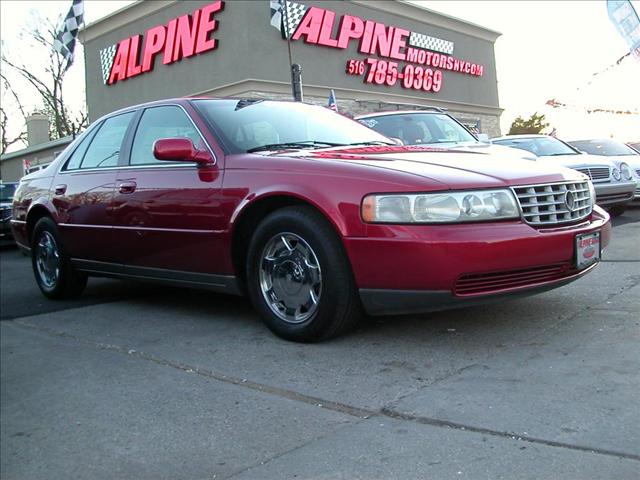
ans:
(375, 55)
(158, 49)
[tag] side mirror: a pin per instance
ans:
(180, 150)
(483, 137)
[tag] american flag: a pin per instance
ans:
(333, 105)
(65, 41)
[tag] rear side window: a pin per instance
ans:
(161, 122)
(103, 150)
(76, 157)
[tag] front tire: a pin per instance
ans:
(55, 275)
(299, 278)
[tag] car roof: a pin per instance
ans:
(400, 112)
(523, 136)
(186, 100)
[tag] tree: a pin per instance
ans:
(6, 140)
(49, 84)
(535, 124)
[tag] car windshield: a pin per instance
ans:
(607, 148)
(6, 191)
(541, 146)
(419, 128)
(254, 125)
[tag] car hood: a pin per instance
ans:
(453, 167)
(632, 160)
(576, 161)
(490, 149)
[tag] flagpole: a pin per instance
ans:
(296, 70)
(286, 32)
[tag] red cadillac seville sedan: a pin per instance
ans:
(314, 216)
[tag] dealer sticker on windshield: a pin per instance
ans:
(587, 249)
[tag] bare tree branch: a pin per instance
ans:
(49, 86)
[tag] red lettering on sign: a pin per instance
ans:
(186, 36)
(207, 25)
(310, 25)
(399, 42)
(154, 42)
(133, 67)
(381, 42)
(167, 58)
(327, 27)
(367, 35)
(350, 27)
(119, 68)
(182, 37)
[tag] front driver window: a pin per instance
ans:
(161, 122)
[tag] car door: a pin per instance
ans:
(83, 191)
(167, 216)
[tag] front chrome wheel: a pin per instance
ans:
(48, 260)
(290, 278)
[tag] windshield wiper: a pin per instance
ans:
(558, 154)
(372, 142)
(300, 144)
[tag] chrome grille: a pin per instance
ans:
(554, 204)
(595, 173)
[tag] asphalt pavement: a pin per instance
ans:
(136, 381)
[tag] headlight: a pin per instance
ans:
(625, 171)
(615, 173)
(470, 206)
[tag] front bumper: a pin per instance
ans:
(409, 269)
(610, 194)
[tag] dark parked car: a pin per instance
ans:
(313, 215)
(7, 191)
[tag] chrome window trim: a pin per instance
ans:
(168, 164)
(213, 155)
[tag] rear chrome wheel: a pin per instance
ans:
(52, 267)
(47, 258)
(290, 278)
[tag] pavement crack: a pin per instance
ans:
(357, 412)
(243, 382)
(497, 433)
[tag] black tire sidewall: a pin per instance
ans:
(69, 281)
(337, 282)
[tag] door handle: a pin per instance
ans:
(60, 189)
(127, 187)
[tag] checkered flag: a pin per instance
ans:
(106, 61)
(65, 41)
(426, 42)
(286, 21)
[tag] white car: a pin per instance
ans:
(613, 182)
(620, 153)
(434, 127)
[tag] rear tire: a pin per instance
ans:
(54, 273)
(299, 278)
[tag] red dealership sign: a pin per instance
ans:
(425, 57)
(180, 38)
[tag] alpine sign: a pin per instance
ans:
(386, 47)
(180, 38)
